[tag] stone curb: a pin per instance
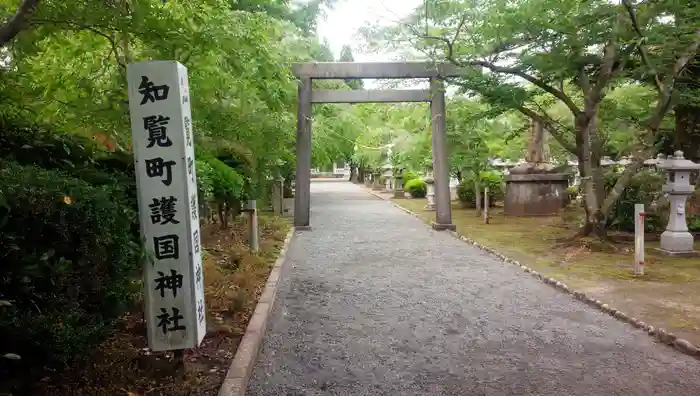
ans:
(241, 368)
(658, 334)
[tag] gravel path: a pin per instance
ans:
(372, 302)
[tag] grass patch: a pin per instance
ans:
(544, 243)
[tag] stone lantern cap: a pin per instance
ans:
(676, 162)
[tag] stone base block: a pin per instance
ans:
(399, 194)
(689, 253)
(443, 227)
(537, 194)
(302, 228)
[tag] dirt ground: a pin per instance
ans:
(666, 296)
(234, 279)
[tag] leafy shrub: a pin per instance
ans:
(644, 188)
(69, 253)
(492, 180)
(226, 182)
(694, 222)
(408, 176)
(572, 192)
(33, 145)
(416, 188)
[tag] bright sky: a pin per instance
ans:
(342, 23)
(347, 16)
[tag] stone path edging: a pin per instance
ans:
(659, 334)
(238, 374)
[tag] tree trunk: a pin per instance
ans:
(360, 174)
(686, 136)
(477, 191)
(353, 173)
(589, 153)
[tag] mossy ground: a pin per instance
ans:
(666, 296)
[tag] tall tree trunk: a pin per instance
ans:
(477, 194)
(592, 183)
(686, 134)
(360, 174)
(353, 173)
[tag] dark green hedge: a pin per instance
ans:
(70, 254)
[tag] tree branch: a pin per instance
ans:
(77, 26)
(641, 48)
(18, 21)
(532, 79)
(548, 123)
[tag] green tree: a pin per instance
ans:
(346, 56)
(570, 53)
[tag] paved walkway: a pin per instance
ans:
(372, 302)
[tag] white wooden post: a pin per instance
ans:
(639, 215)
(486, 205)
(161, 123)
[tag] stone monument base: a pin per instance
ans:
(443, 227)
(690, 253)
(677, 244)
(400, 194)
(535, 194)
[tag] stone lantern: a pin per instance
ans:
(398, 184)
(376, 177)
(430, 190)
(389, 184)
(278, 196)
(676, 240)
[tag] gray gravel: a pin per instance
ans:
(372, 302)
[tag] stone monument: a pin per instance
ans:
(534, 188)
(676, 240)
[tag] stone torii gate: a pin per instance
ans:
(307, 72)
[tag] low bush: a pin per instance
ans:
(416, 188)
(572, 192)
(70, 255)
(408, 176)
(644, 188)
(492, 180)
